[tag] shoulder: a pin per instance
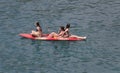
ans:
(38, 28)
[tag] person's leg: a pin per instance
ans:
(78, 36)
(53, 34)
(34, 33)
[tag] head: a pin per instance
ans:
(62, 28)
(37, 24)
(68, 26)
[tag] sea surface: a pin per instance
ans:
(99, 20)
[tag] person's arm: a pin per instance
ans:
(61, 34)
(66, 30)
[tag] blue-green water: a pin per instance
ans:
(99, 20)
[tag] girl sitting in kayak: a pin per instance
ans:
(66, 33)
(59, 34)
(38, 32)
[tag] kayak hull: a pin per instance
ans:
(29, 36)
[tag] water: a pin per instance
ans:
(99, 20)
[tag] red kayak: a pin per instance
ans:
(71, 38)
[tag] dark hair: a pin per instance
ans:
(62, 28)
(68, 26)
(37, 24)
